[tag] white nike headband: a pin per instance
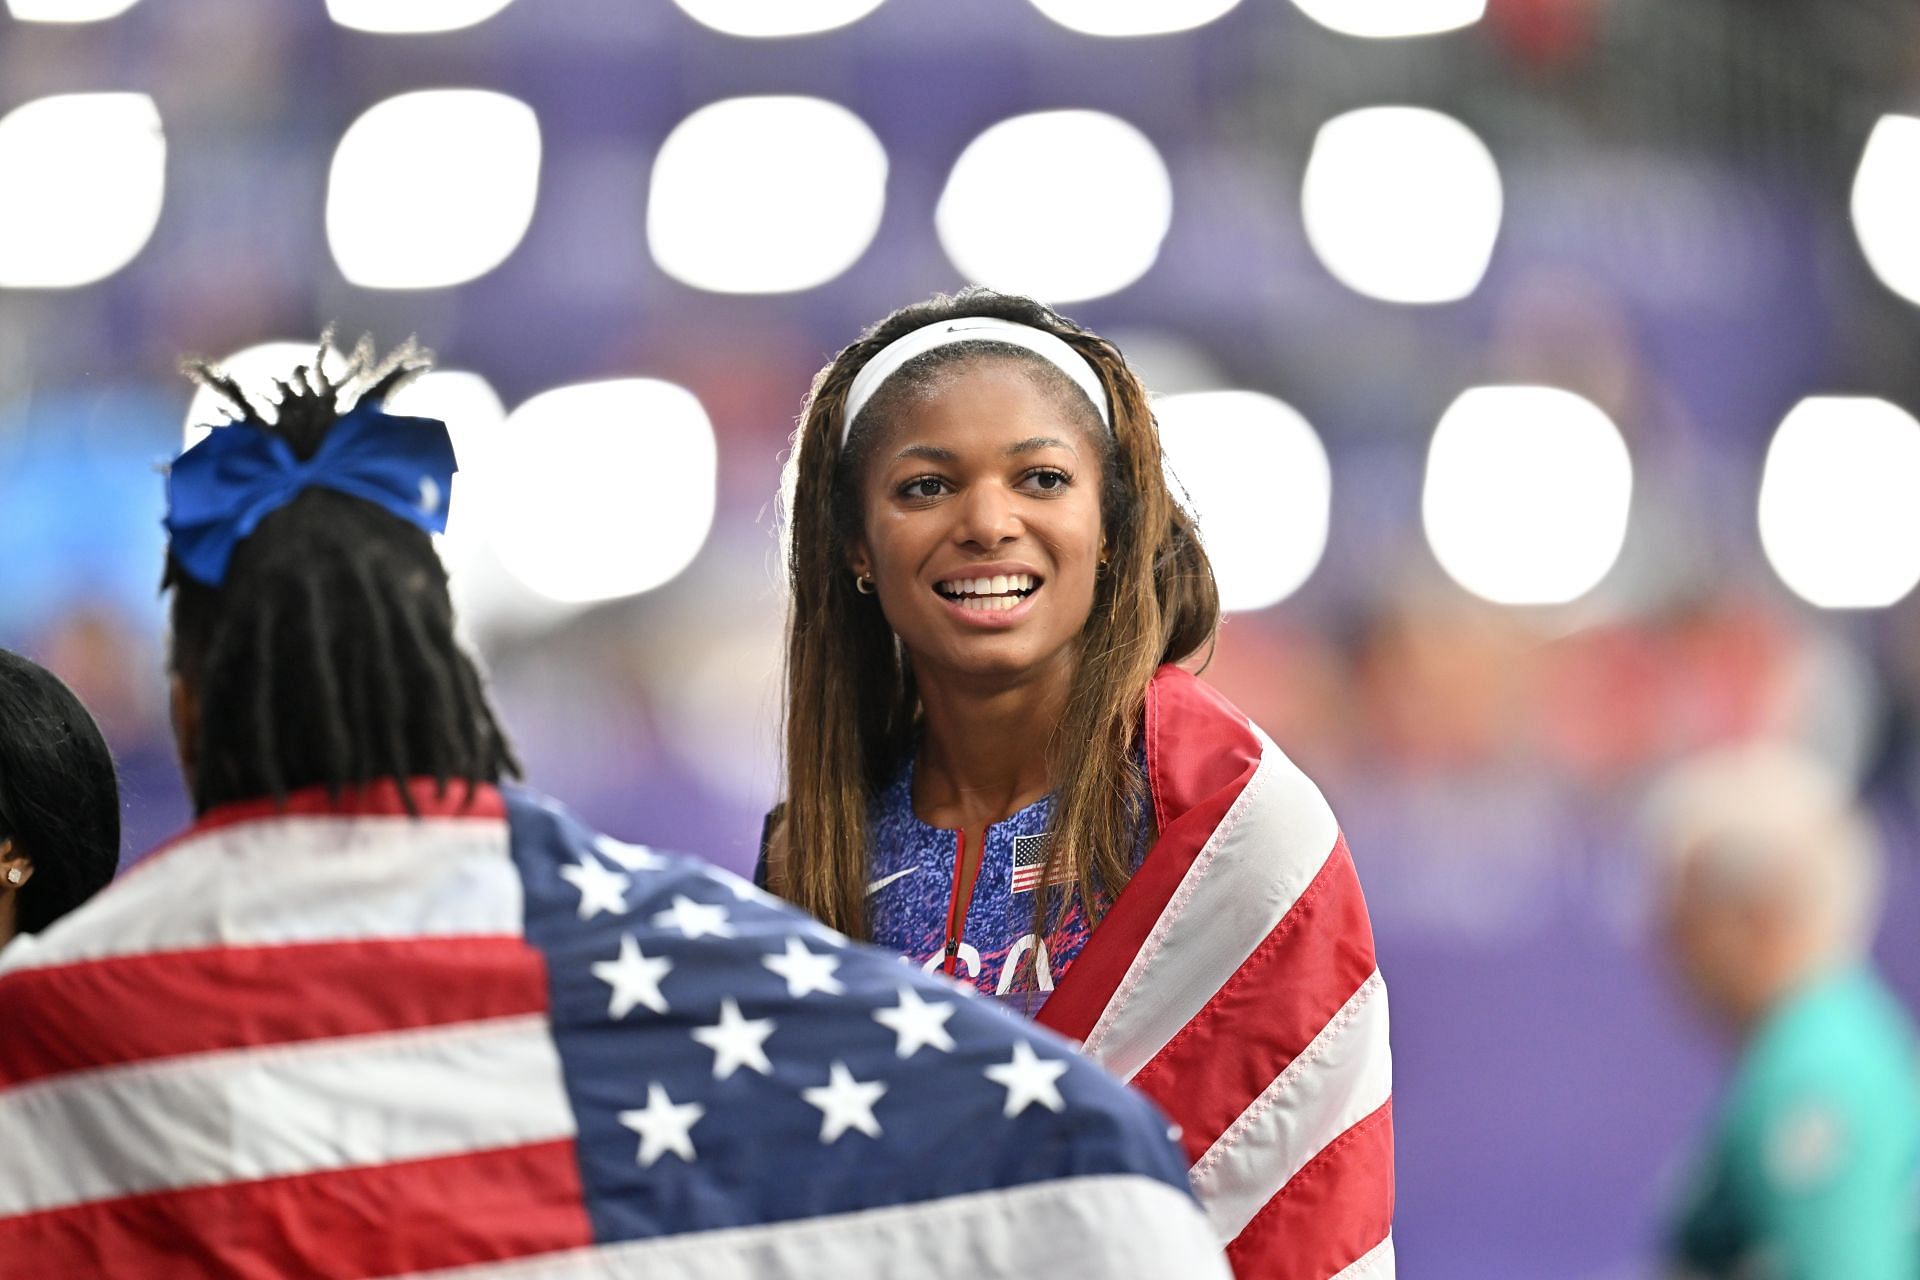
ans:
(887, 361)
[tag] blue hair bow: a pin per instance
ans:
(220, 490)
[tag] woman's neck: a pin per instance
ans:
(985, 750)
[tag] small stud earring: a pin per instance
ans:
(15, 875)
(864, 584)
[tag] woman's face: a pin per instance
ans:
(982, 525)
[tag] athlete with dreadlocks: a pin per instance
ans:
(322, 653)
(995, 766)
(380, 1012)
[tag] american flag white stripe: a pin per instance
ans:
(300, 879)
(1089, 1228)
(280, 1110)
(1343, 1077)
(1276, 837)
(1376, 1264)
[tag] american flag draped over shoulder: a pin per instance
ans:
(1234, 982)
(334, 1041)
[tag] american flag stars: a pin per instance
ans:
(804, 971)
(601, 887)
(845, 1103)
(736, 1041)
(664, 1126)
(766, 1029)
(919, 1024)
(695, 919)
(1028, 1079)
(634, 857)
(635, 978)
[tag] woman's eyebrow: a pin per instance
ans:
(1033, 444)
(929, 452)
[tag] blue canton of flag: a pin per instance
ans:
(731, 1062)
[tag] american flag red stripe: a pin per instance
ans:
(1272, 1007)
(147, 1014)
(479, 1206)
(1326, 1218)
(1234, 981)
(124, 1009)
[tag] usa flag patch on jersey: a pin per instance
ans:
(1030, 863)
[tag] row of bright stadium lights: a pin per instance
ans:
(437, 187)
(607, 489)
(776, 18)
(1528, 488)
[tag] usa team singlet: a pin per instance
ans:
(914, 899)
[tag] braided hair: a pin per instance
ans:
(327, 657)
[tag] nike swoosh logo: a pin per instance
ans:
(884, 881)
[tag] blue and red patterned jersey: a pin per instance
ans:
(912, 897)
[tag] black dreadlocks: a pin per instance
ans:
(328, 657)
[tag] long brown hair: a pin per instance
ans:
(851, 702)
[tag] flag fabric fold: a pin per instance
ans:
(335, 1040)
(1234, 982)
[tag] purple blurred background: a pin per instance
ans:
(1675, 247)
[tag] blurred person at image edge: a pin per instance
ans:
(1811, 1169)
(59, 801)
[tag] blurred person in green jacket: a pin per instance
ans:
(1772, 890)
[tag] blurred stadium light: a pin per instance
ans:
(475, 418)
(84, 176)
(471, 408)
(726, 212)
(1527, 494)
(1402, 204)
(613, 488)
(1133, 17)
(68, 10)
(433, 188)
(764, 18)
(255, 369)
(1886, 204)
(1383, 19)
(1258, 481)
(1840, 502)
(1031, 206)
(402, 17)
(1168, 362)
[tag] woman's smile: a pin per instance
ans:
(989, 595)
